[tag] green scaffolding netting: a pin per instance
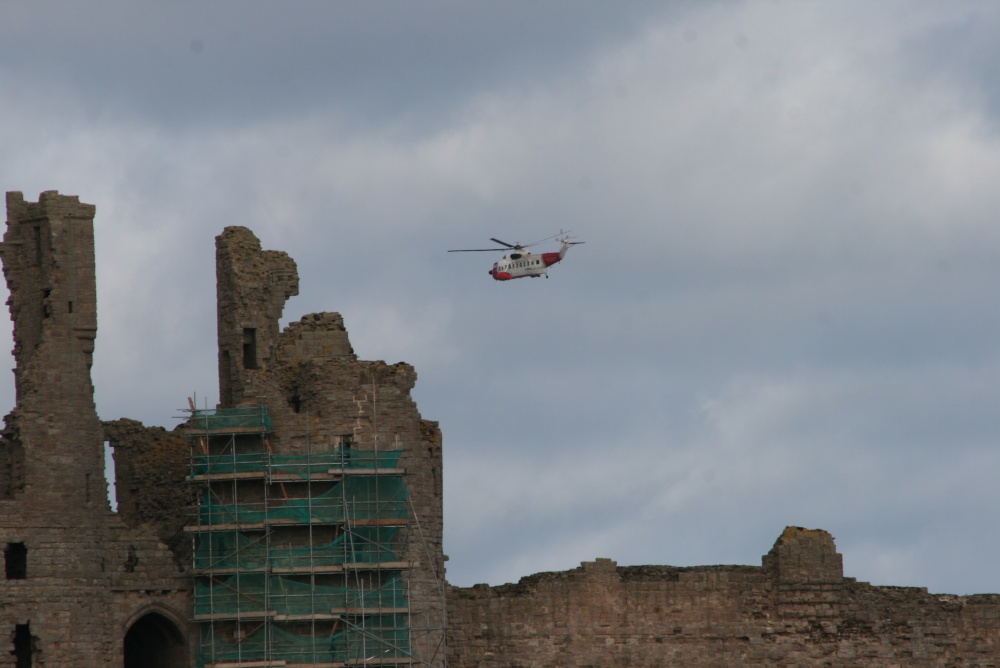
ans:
(377, 636)
(231, 549)
(363, 498)
(303, 466)
(257, 593)
(222, 419)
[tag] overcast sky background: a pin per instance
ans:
(785, 312)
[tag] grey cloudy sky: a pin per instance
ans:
(785, 312)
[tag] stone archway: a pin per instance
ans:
(154, 641)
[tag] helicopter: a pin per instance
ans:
(520, 263)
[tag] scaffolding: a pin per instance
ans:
(299, 560)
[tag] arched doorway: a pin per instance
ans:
(154, 641)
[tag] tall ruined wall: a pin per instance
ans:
(48, 260)
(75, 576)
(321, 396)
(252, 286)
(152, 467)
(795, 610)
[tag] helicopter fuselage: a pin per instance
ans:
(520, 264)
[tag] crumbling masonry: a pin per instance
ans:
(81, 583)
(300, 521)
(321, 489)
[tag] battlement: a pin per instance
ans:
(795, 609)
(804, 555)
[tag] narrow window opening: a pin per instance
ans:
(249, 348)
(22, 646)
(346, 441)
(86, 488)
(70, 307)
(16, 561)
(109, 476)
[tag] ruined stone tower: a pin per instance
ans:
(321, 499)
(79, 584)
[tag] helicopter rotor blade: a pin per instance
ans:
(554, 236)
(562, 234)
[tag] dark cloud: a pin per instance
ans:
(240, 62)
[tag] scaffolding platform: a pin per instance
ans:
(331, 475)
(285, 664)
(299, 560)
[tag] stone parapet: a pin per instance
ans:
(719, 616)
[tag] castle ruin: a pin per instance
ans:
(299, 522)
(80, 584)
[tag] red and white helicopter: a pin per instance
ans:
(520, 263)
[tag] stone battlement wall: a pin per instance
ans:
(796, 609)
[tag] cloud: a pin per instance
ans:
(194, 64)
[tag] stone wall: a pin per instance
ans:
(795, 610)
(252, 286)
(76, 576)
(152, 466)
